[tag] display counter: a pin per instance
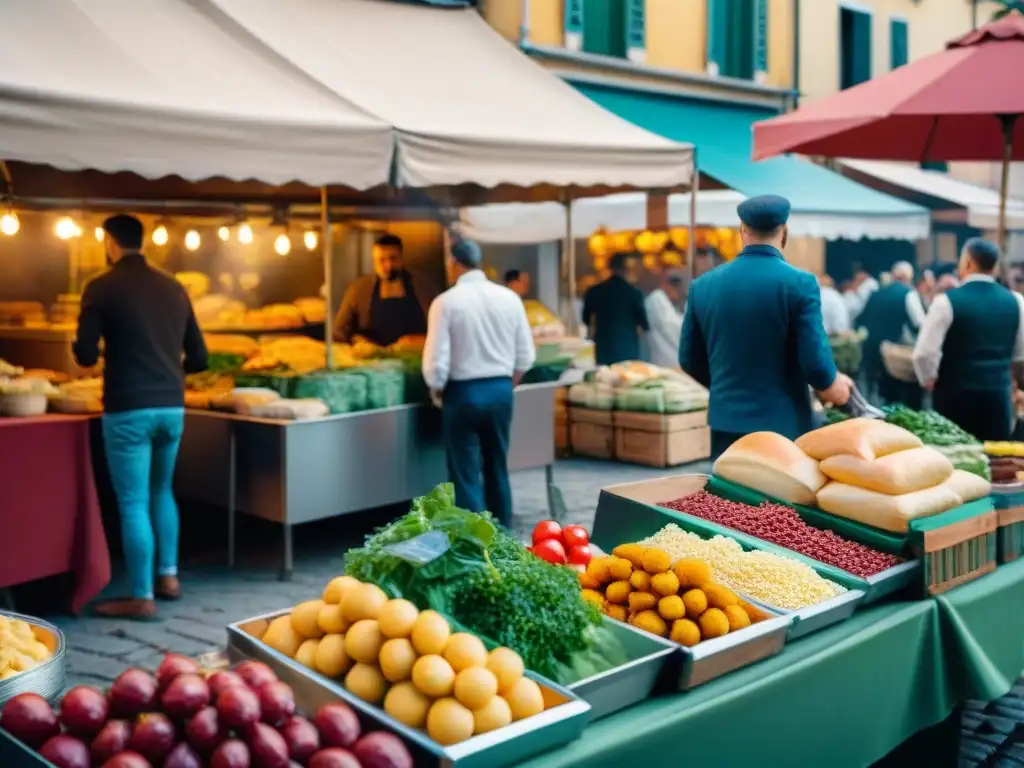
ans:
(294, 472)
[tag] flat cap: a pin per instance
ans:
(764, 213)
(467, 253)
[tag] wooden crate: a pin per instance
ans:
(1010, 544)
(957, 553)
(590, 416)
(662, 440)
(594, 440)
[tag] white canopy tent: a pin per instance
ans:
(171, 87)
(533, 223)
(980, 205)
(467, 107)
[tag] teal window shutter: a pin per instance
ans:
(760, 36)
(862, 67)
(718, 32)
(573, 24)
(604, 27)
(636, 29)
(899, 49)
(854, 47)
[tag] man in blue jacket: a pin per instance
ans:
(753, 335)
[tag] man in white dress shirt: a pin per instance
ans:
(857, 295)
(665, 319)
(478, 347)
(971, 346)
(834, 312)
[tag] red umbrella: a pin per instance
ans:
(962, 103)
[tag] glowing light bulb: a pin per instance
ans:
(245, 234)
(160, 235)
(192, 240)
(224, 233)
(9, 223)
(310, 239)
(99, 234)
(282, 245)
(67, 228)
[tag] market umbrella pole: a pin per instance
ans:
(570, 258)
(328, 252)
(1008, 121)
(691, 246)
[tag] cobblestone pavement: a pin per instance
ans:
(214, 596)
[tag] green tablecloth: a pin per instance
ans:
(845, 696)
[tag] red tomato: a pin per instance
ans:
(575, 536)
(580, 554)
(551, 551)
(547, 529)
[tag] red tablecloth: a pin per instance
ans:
(50, 519)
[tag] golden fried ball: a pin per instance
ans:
(618, 591)
(642, 601)
(617, 612)
(719, 596)
(640, 580)
(593, 596)
(671, 608)
(656, 561)
(692, 572)
(665, 584)
(650, 621)
(589, 580)
(634, 553)
(695, 601)
(713, 623)
(685, 632)
(620, 569)
(737, 617)
(598, 568)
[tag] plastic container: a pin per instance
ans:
(47, 678)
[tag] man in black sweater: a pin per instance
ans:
(151, 339)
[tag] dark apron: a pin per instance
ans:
(391, 319)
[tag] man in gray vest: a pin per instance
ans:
(970, 344)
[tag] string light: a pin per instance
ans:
(282, 245)
(224, 233)
(310, 239)
(67, 228)
(245, 234)
(9, 223)
(160, 236)
(192, 240)
(99, 234)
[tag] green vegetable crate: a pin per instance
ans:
(956, 546)
(1009, 503)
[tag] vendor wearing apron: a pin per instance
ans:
(753, 334)
(383, 307)
(479, 345)
(971, 346)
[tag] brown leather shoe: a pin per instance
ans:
(126, 608)
(168, 588)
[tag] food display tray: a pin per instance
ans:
(653, 667)
(561, 723)
(14, 754)
(48, 678)
(818, 616)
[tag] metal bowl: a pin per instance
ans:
(47, 678)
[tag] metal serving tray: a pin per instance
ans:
(817, 616)
(48, 678)
(653, 666)
(560, 724)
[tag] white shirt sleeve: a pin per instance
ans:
(526, 351)
(915, 309)
(1018, 345)
(928, 349)
(437, 350)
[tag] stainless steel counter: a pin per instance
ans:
(294, 472)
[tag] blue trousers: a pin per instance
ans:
(142, 447)
(476, 422)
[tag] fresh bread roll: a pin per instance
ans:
(865, 438)
(880, 510)
(968, 486)
(773, 465)
(900, 472)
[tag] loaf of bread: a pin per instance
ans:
(968, 486)
(865, 438)
(900, 472)
(773, 465)
(880, 510)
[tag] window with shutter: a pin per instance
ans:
(854, 47)
(573, 25)
(899, 50)
(737, 38)
(636, 30)
(604, 27)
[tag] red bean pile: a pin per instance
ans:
(782, 526)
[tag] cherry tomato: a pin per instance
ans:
(575, 536)
(547, 529)
(580, 554)
(551, 551)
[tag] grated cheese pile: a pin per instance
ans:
(768, 578)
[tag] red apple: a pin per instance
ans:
(334, 757)
(382, 750)
(301, 737)
(255, 674)
(84, 710)
(338, 725)
(219, 681)
(183, 756)
(66, 751)
(185, 695)
(127, 760)
(267, 746)
(203, 732)
(231, 754)
(174, 664)
(153, 737)
(133, 693)
(277, 702)
(28, 717)
(238, 708)
(112, 740)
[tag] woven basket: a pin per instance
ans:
(23, 404)
(899, 361)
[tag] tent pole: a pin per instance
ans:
(691, 250)
(1008, 122)
(328, 252)
(570, 257)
